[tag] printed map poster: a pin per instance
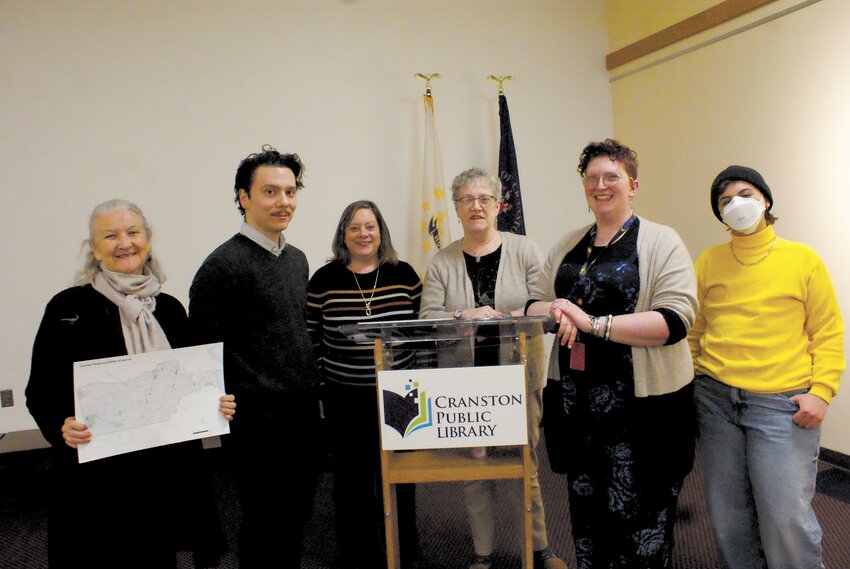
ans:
(146, 400)
(452, 407)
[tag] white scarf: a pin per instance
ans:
(135, 297)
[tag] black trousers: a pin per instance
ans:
(275, 453)
(352, 413)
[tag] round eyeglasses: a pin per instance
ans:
(609, 179)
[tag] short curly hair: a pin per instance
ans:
(613, 150)
(472, 175)
(269, 156)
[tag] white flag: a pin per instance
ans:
(433, 228)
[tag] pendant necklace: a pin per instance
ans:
(368, 303)
(768, 252)
(478, 256)
(591, 259)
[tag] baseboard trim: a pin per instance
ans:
(22, 440)
(835, 458)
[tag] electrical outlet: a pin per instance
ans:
(7, 398)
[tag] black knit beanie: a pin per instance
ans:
(734, 174)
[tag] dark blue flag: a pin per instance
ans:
(510, 218)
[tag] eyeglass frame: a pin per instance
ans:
(467, 201)
(602, 178)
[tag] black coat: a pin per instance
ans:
(131, 510)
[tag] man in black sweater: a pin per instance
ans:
(250, 293)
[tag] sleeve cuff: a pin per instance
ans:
(822, 391)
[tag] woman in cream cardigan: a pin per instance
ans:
(487, 274)
(624, 295)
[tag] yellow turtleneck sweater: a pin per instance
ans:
(769, 321)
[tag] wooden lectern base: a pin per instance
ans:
(450, 465)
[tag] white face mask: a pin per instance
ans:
(743, 214)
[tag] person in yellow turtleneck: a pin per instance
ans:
(768, 350)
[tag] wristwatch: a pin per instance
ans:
(457, 314)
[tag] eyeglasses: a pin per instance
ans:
(609, 179)
(483, 201)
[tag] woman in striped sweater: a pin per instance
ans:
(363, 282)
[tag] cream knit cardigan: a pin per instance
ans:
(447, 288)
(667, 280)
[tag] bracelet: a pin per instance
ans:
(594, 327)
(609, 326)
(457, 314)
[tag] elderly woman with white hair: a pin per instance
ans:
(136, 509)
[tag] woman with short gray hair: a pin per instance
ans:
(487, 274)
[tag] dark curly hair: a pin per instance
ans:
(613, 150)
(269, 156)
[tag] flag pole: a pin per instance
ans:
(500, 79)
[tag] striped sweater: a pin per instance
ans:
(333, 299)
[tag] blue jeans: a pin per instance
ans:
(760, 471)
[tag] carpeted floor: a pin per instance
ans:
(444, 537)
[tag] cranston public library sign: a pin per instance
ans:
(452, 407)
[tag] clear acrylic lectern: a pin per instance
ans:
(452, 396)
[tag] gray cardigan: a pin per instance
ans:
(447, 288)
(667, 280)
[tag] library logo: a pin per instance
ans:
(409, 412)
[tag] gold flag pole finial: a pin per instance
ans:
(427, 78)
(500, 79)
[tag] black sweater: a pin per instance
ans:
(255, 303)
(80, 324)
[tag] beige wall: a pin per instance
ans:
(157, 101)
(777, 98)
(630, 21)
